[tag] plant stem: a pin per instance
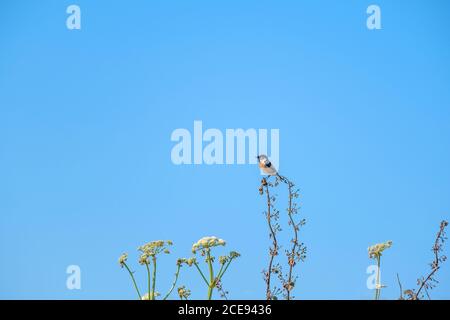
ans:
(201, 273)
(220, 275)
(295, 240)
(273, 251)
(435, 264)
(134, 281)
(148, 276)
(211, 274)
(377, 286)
(174, 282)
(154, 278)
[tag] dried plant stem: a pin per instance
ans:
(294, 240)
(134, 281)
(427, 279)
(435, 265)
(220, 289)
(295, 253)
(429, 282)
(274, 248)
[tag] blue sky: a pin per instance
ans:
(86, 118)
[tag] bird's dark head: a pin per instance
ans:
(262, 157)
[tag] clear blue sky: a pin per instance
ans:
(86, 118)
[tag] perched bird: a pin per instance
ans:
(266, 166)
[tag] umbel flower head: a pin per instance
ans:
(122, 259)
(183, 292)
(223, 259)
(189, 261)
(231, 256)
(153, 248)
(376, 250)
(234, 255)
(144, 259)
(206, 243)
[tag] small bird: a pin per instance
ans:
(266, 166)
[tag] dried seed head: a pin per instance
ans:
(183, 292)
(122, 259)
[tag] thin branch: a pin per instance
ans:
(291, 260)
(273, 251)
(435, 265)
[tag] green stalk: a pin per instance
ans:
(174, 282)
(201, 273)
(219, 273)
(154, 278)
(148, 276)
(225, 270)
(134, 281)
(211, 274)
(377, 288)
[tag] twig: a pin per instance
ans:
(223, 293)
(435, 265)
(273, 251)
(291, 260)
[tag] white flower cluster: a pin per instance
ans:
(376, 250)
(207, 242)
